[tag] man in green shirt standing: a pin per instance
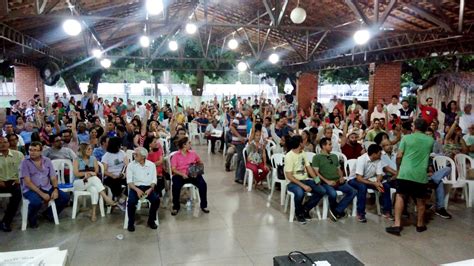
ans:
(9, 182)
(412, 160)
(326, 165)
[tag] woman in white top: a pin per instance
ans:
(115, 161)
(86, 170)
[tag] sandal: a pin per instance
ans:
(174, 212)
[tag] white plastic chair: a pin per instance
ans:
(193, 132)
(269, 148)
(440, 162)
(139, 205)
(461, 165)
(341, 157)
(218, 143)
(350, 171)
(276, 160)
(309, 156)
(248, 178)
(24, 212)
(193, 189)
(129, 155)
(59, 166)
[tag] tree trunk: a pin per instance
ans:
(198, 88)
(71, 84)
(94, 81)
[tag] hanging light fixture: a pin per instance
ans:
(298, 14)
(362, 36)
(233, 44)
(72, 27)
(105, 63)
(97, 53)
(144, 41)
(242, 66)
(173, 45)
(154, 7)
(191, 28)
(274, 58)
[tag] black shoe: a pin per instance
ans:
(307, 216)
(361, 218)
(239, 181)
(227, 169)
(47, 217)
(33, 225)
(443, 213)
(341, 215)
(152, 225)
(333, 215)
(5, 228)
(422, 228)
(301, 219)
(174, 212)
(131, 228)
(205, 210)
(394, 230)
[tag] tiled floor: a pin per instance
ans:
(241, 230)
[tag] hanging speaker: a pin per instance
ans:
(49, 73)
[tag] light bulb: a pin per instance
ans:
(105, 63)
(144, 41)
(274, 58)
(173, 45)
(233, 44)
(72, 27)
(97, 53)
(361, 37)
(191, 28)
(242, 66)
(154, 7)
(298, 15)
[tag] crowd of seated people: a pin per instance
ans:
(133, 141)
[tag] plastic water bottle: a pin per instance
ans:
(189, 205)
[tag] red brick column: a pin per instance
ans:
(28, 83)
(384, 81)
(306, 90)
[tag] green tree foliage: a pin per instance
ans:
(348, 75)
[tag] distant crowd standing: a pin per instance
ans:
(390, 149)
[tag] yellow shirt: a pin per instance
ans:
(10, 165)
(296, 164)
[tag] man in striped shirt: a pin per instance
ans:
(238, 129)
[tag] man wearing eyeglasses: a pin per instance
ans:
(326, 166)
(57, 151)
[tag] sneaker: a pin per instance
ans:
(122, 206)
(389, 216)
(239, 181)
(333, 215)
(301, 219)
(361, 218)
(443, 213)
(394, 230)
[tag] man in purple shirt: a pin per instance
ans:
(40, 184)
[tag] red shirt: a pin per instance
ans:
(352, 152)
(428, 113)
(155, 156)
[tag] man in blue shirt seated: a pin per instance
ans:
(100, 151)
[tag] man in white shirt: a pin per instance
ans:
(466, 119)
(394, 106)
(141, 180)
(213, 133)
(369, 174)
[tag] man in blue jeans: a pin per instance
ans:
(40, 184)
(437, 179)
(326, 166)
(297, 168)
(369, 174)
(141, 180)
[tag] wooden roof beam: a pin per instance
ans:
(429, 16)
(358, 11)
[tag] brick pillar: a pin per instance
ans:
(306, 90)
(28, 83)
(384, 81)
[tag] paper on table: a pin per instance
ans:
(45, 256)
